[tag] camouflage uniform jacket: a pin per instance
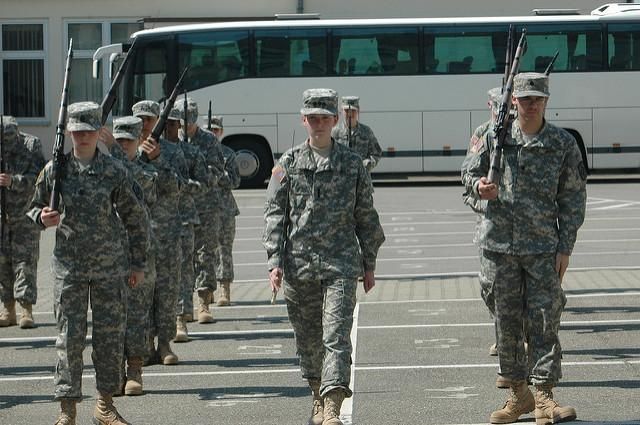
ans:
(199, 180)
(541, 195)
(478, 138)
(23, 160)
(97, 201)
(326, 215)
(363, 142)
(228, 181)
(171, 167)
(207, 142)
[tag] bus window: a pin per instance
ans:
(213, 56)
(150, 72)
(579, 49)
(464, 50)
(283, 53)
(624, 47)
(387, 50)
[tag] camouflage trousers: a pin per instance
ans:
(321, 313)
(223, 254)
(527, 295)
(139, 304)
(166, 291)
(204, 262)
(187, 272)
(19, 262)
(71, 296)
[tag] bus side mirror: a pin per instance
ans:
(96, 70)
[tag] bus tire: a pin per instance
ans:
(254, 160)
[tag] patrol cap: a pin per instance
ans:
(216, 121)
(84, 116)
(531, 84)
(350, 102)
(175, 114)
(192, 110)
(10, 128)
(147, 108)
(319, 102)
(495, 97)
(127, 128)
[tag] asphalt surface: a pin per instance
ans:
(421, 336)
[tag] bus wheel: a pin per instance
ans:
(254, 162)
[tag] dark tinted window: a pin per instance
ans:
(281, 53)
(624, 47)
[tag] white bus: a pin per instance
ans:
(422, 82)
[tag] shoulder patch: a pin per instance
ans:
(278, 173)
(475, 144)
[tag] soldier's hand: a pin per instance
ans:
(275, 279)
(49, 217)
(369, 281)
(106, 137)
(562, 262)
(5, 180)
(135, 278)
(487, 190)
(151, 147)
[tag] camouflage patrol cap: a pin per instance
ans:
(10, 127)
(192, 110)
(495, 97)
(216, 121)
(175, 114)
(147, 108)
(127, 128)
(350, 102)
(84, 116)
(319, 102)
(531, 84)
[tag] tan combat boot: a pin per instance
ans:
(205, 297)
(67, 414)
(188, 317)
(224, 293)
(166, 355)
(332, 404)
(493, 350)
(548, 411)
(26, 318)
(105, 412)
(182, 334)
(134, 376)
(503, 382)
(8, 314)
(520, 401)
(317, 413)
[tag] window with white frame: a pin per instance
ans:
(87, 36)
(22, 61)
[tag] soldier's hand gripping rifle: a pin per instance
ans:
(58, 161)
(3, 190)
(158, 128)
(502, 125)
(110, 99)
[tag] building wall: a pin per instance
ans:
(57, 13)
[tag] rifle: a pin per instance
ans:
(111, 96)
(58, 162)
(186, 123)
(349, 135)
(162, 121)
(550, 66)
(209, 117)
(509, 55)
(502, 124)
(3, 190)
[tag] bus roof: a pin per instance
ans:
(322, 23)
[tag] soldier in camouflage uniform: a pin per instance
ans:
(199, 179)
(170, 164)
(20, 238)
(207, 205)
(321, 232)
(229, 210)
(526, 236)
(91, 262)
(359, 137)
(123, 144)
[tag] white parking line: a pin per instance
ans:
(346, 413)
